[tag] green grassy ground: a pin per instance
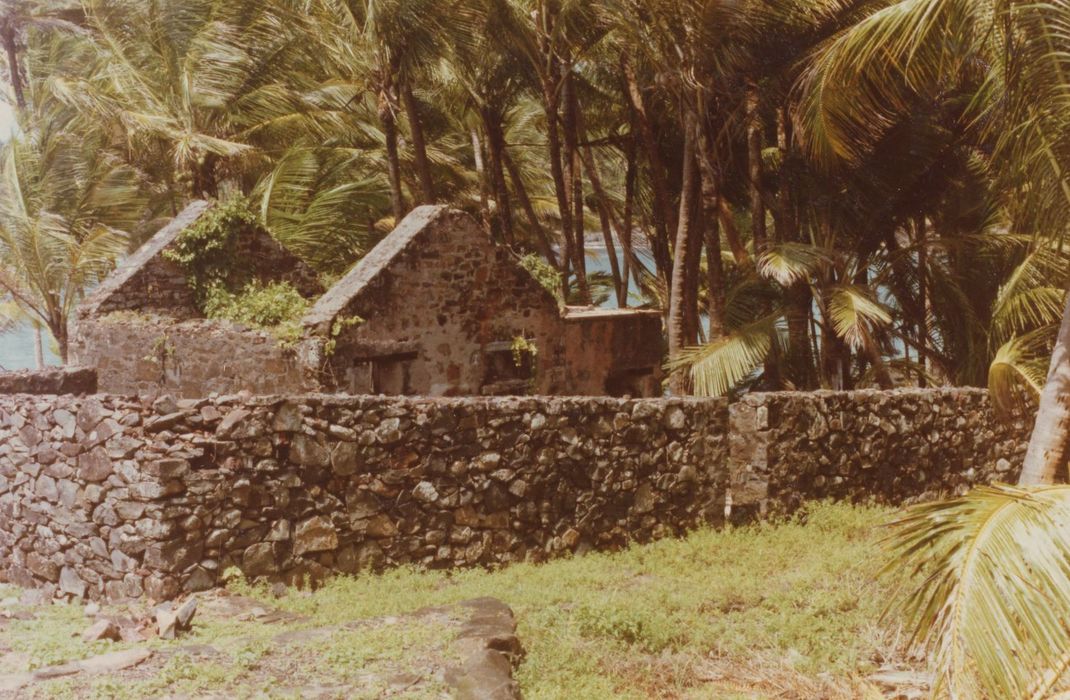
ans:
(737, 613)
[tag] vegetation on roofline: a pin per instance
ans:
(276, 307)
(222, 286)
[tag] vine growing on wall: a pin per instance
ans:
(544, 274)
(207, 251)
(206, 248)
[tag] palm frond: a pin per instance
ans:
(992, 600)
(717, 367)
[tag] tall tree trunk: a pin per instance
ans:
(58, 328)
(481, 172)
(549, 74)
(754, 164)
(626, 232)
(711, 209)
(13, 68)
(923, 299)
(606, 213)
(800, 360)
(419, 145)
(38, 347)
(731, 233)
(663, 218)
(678, 315)
(1046, 456)
(570, 126)
(495, 147)
(388, 121)
(542, 240)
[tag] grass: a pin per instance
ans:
(736, 613)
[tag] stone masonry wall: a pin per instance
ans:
(108, 497)
(884, 446)
(143, 354)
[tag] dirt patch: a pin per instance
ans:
(239, 646)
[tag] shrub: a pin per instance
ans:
(276, 307)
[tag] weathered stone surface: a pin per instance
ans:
(67, 380)
(367, 482)
(102, 629)
(315, 535)
(71, 582)
(885, 446)
(95, 465)
(491, 650)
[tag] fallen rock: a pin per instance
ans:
(114, 661)
(185, 613)
(166, 622)
(102, 629)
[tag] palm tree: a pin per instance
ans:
(66, 207)
(19, 16)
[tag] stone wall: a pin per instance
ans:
(146, 354)
(108, 497)
(56, 380)
(884, 446)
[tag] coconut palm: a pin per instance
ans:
(67, 205)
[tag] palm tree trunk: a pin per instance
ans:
(678, 316)
(38, 348)
(495, 147)
(481, 173)
(606, 213)
(388, 121)
(1047, 452)
(13, 66)
(754, 162)
(663, 211)
(419, 145)
(542, 239)
(570, 126)
(731, 233)
(798, 298)
(711, 208)
(923, 299)
(626, 231)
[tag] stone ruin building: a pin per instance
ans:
(435, 309)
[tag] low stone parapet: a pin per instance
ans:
(57, 380)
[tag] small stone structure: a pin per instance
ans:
(434, 309)
(881, 446)
(142, 332)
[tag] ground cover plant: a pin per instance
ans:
(789, 609)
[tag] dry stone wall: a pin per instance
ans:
(884, 446)
(107, 497)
